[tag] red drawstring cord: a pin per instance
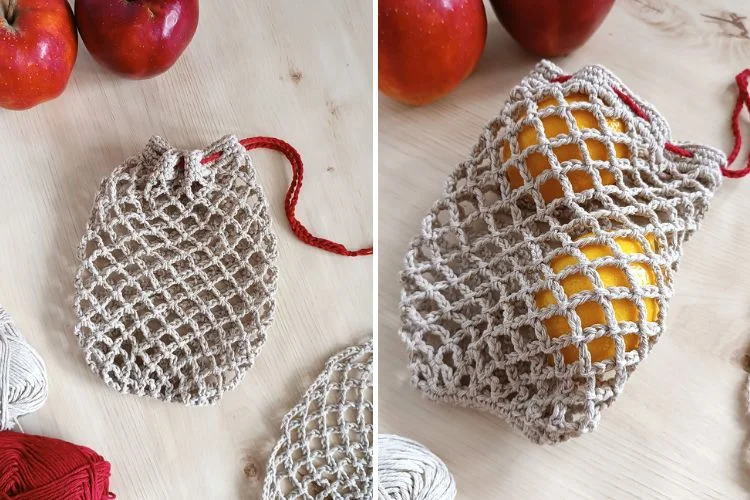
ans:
(743, 100)
(292, 195)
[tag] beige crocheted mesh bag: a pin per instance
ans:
(325, 450)
(541, 279)
(175, 290)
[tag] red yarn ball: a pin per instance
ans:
(42, 468)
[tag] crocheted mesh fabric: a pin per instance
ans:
(175, 290)
(325, 450)
(542, 277)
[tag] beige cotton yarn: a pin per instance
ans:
(326, 445)
(175, 290)
(574, 204)
(409, 471)
(23, 375)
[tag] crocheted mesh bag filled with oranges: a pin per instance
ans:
(541, 279)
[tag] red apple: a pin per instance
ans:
(137, 38)
(38, 48)
(427, 47)
(551, 28)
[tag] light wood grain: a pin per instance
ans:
(301, 71)
(679, 429)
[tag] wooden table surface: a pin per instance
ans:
(679, 430)
(301, 71)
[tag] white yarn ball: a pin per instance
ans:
(23, 376)
(409, 471)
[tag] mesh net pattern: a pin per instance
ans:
(175, 290)
(542, 277)
(326, 446)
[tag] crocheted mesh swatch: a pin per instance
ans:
(175, 290)
(326, 446)
(542, 277)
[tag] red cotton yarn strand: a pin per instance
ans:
(292, 195)
(42, 468)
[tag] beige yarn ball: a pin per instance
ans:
(409, 471)
(23, 375)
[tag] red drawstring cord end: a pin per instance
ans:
(292, 195)
(743, 101)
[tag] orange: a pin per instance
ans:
(536, 163)
(591, 313)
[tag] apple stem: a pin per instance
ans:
(10, 11)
